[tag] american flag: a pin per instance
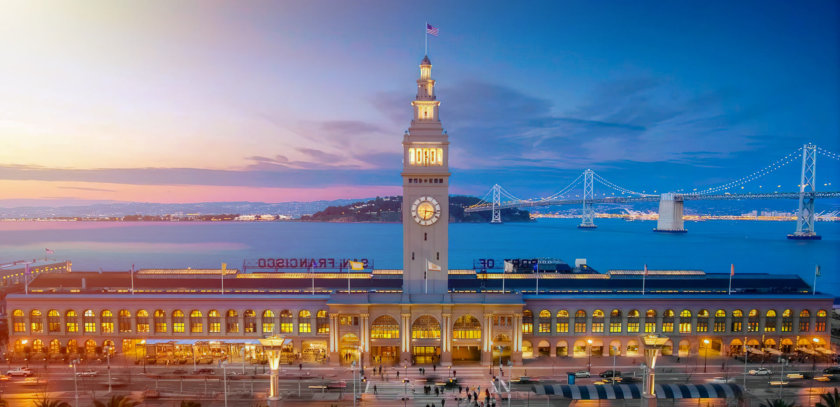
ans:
(432, 30)
(50, 251)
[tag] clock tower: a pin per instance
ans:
(425, 205)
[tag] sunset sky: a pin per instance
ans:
(194, 101)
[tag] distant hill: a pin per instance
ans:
(389, 209)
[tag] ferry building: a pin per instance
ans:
(425, 313)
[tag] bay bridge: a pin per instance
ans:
(671, 203)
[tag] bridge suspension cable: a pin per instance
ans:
(563, 191)
(609, 184)
(828, 154)
(793, 156)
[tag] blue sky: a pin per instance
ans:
(268, 101)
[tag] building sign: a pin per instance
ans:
(276, 263)
(519, 265)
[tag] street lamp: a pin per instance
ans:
(108, 358)
(224, 380)
(705, 353)
(589, 365)
(75, 380)
(273, 346)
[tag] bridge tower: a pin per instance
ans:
(497, 200)
(807, 192)
(587, 219)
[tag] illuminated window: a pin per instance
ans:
(214, 322)
(53, 321)
(580, 321)
(425, 327)
(502, 320)
(770, 321)
(55, 347)
(527, 322)
(160, 321)
(668, 321)
(633, 321)
(752, 320)
(231, 322)
(196, 322)
(545, 322)
(89, 321)
(142, 321)
(787, 321)
(124, 321)
(250, 318)
(703, 321)
(287, 323)
(650, 321)
(467, 327)
(36, 321)
(562, 321)
(304, 321)
(268, 321)
(804, 321)
(178, 324)
(685, 322)
(597, 321)
(322, 322)
(615, 321)
(425, 156)
(737, 321)
(71, 321)
(821, 317)
(106, 320)
(385, 327)
(18, 321)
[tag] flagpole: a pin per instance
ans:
(426, 33)
(26, 279)
(503, 282)
(426, 281)
(132, 279)
(731, 273)
(313, 280)
(644, 277)
(816, 274)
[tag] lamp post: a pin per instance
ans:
(75, 381)
(272, 346)
(353, 368)
(108, 358)
(224, 380)
(653, 344)
(705, 353)
(814, 355)
(589, 364)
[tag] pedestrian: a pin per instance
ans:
(434, 368)
(469, 398)
(442, 402)
(300, 367)
(437, 392)
(486, 394)
(398, 374)
(460, 389)
(454, 373)
(374, 389)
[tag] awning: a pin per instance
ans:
(773, 351)
(201, 341)
(806, 350)
(826, 351)
(633, 391)
(754, 350)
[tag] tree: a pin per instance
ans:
(190, 403)
(115, 401)
(45, 402)
(777, 403)
(830, 399)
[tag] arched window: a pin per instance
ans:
(615, 321)
(597, 321)
(214, 322)
(268, 321)
(231, 321)
(385, 327)
(545, 321)
(89, 321)
(36, 321)
(124, 320)
(804, 321)
(685, 321)
(18, 321)
(562, 321)
(71, 319)
(250, 321)
(160, 321)
(668, 321)
(468, 327)
(287, 323)
(770, 321)
(322, 322)
(650, 321)
(55, 346)
(37, 346)
(720, 321)
(580, 321)
(737, 321)
(787, 320)
(425, 327)
(196, 322)
(633, 321)
(142, 321)
(527, 322)
(178, 324)
(53, 321)
(821, 319)
(752, 320)
(703, 321)
(304, 321)
(106, 319)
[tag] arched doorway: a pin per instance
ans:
(109, 346)
(615, 348)
(580, 350)
(713, 348)
(466, 339)
(632, 348)
(349, 349)
(769, 343)
(426, 331)
(90, 347)
(668, 348)
(501, 348)
(55, 347)
(527, 350)
(684, 349)
(597, 347)
(787, 345)
(543, 348)
(736, 347)
(385, 335)
(562, 348)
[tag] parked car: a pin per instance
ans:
(179, 371)
(722, 380)
(832, 370)
(583, 373)
(609, 380)
(525, 380)
(87, 373)
(20, 372)
(610, 373)
(761, 372)
(204, 371)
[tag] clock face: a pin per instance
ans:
(425, 210)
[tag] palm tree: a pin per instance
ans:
(830, 399)
(115, 401)
(50, 403)
(777, 403)
(190, 403)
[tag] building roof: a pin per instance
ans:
(425, 61)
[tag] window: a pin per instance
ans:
(820, 325)
(106, 319)
(196, 322)
(124, 321)
(214, 322)
(545, 322)
(18, 321)
(71, 320)
(425, 327)
(160, 321)
(527, 322)
(385, 327)
(36, 321)
(89, 321)
(720, 321)
(287, 324)
(685, 321)
(53, 321)
(597, 321)
(304, 321)
(580, 321)
(268, 321)
(250, 318)
(668, 321)
(142, 321)
(231, 321)
(737, 321)
(425, 157)
(615, 321)
(468, 327)
(633, 321)
(502, 320)
(752, 320)
(804, 321)
(178, 324)
(562, 321)
(770, 321)
(787, 321)
(650, 321)
(322, 322)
